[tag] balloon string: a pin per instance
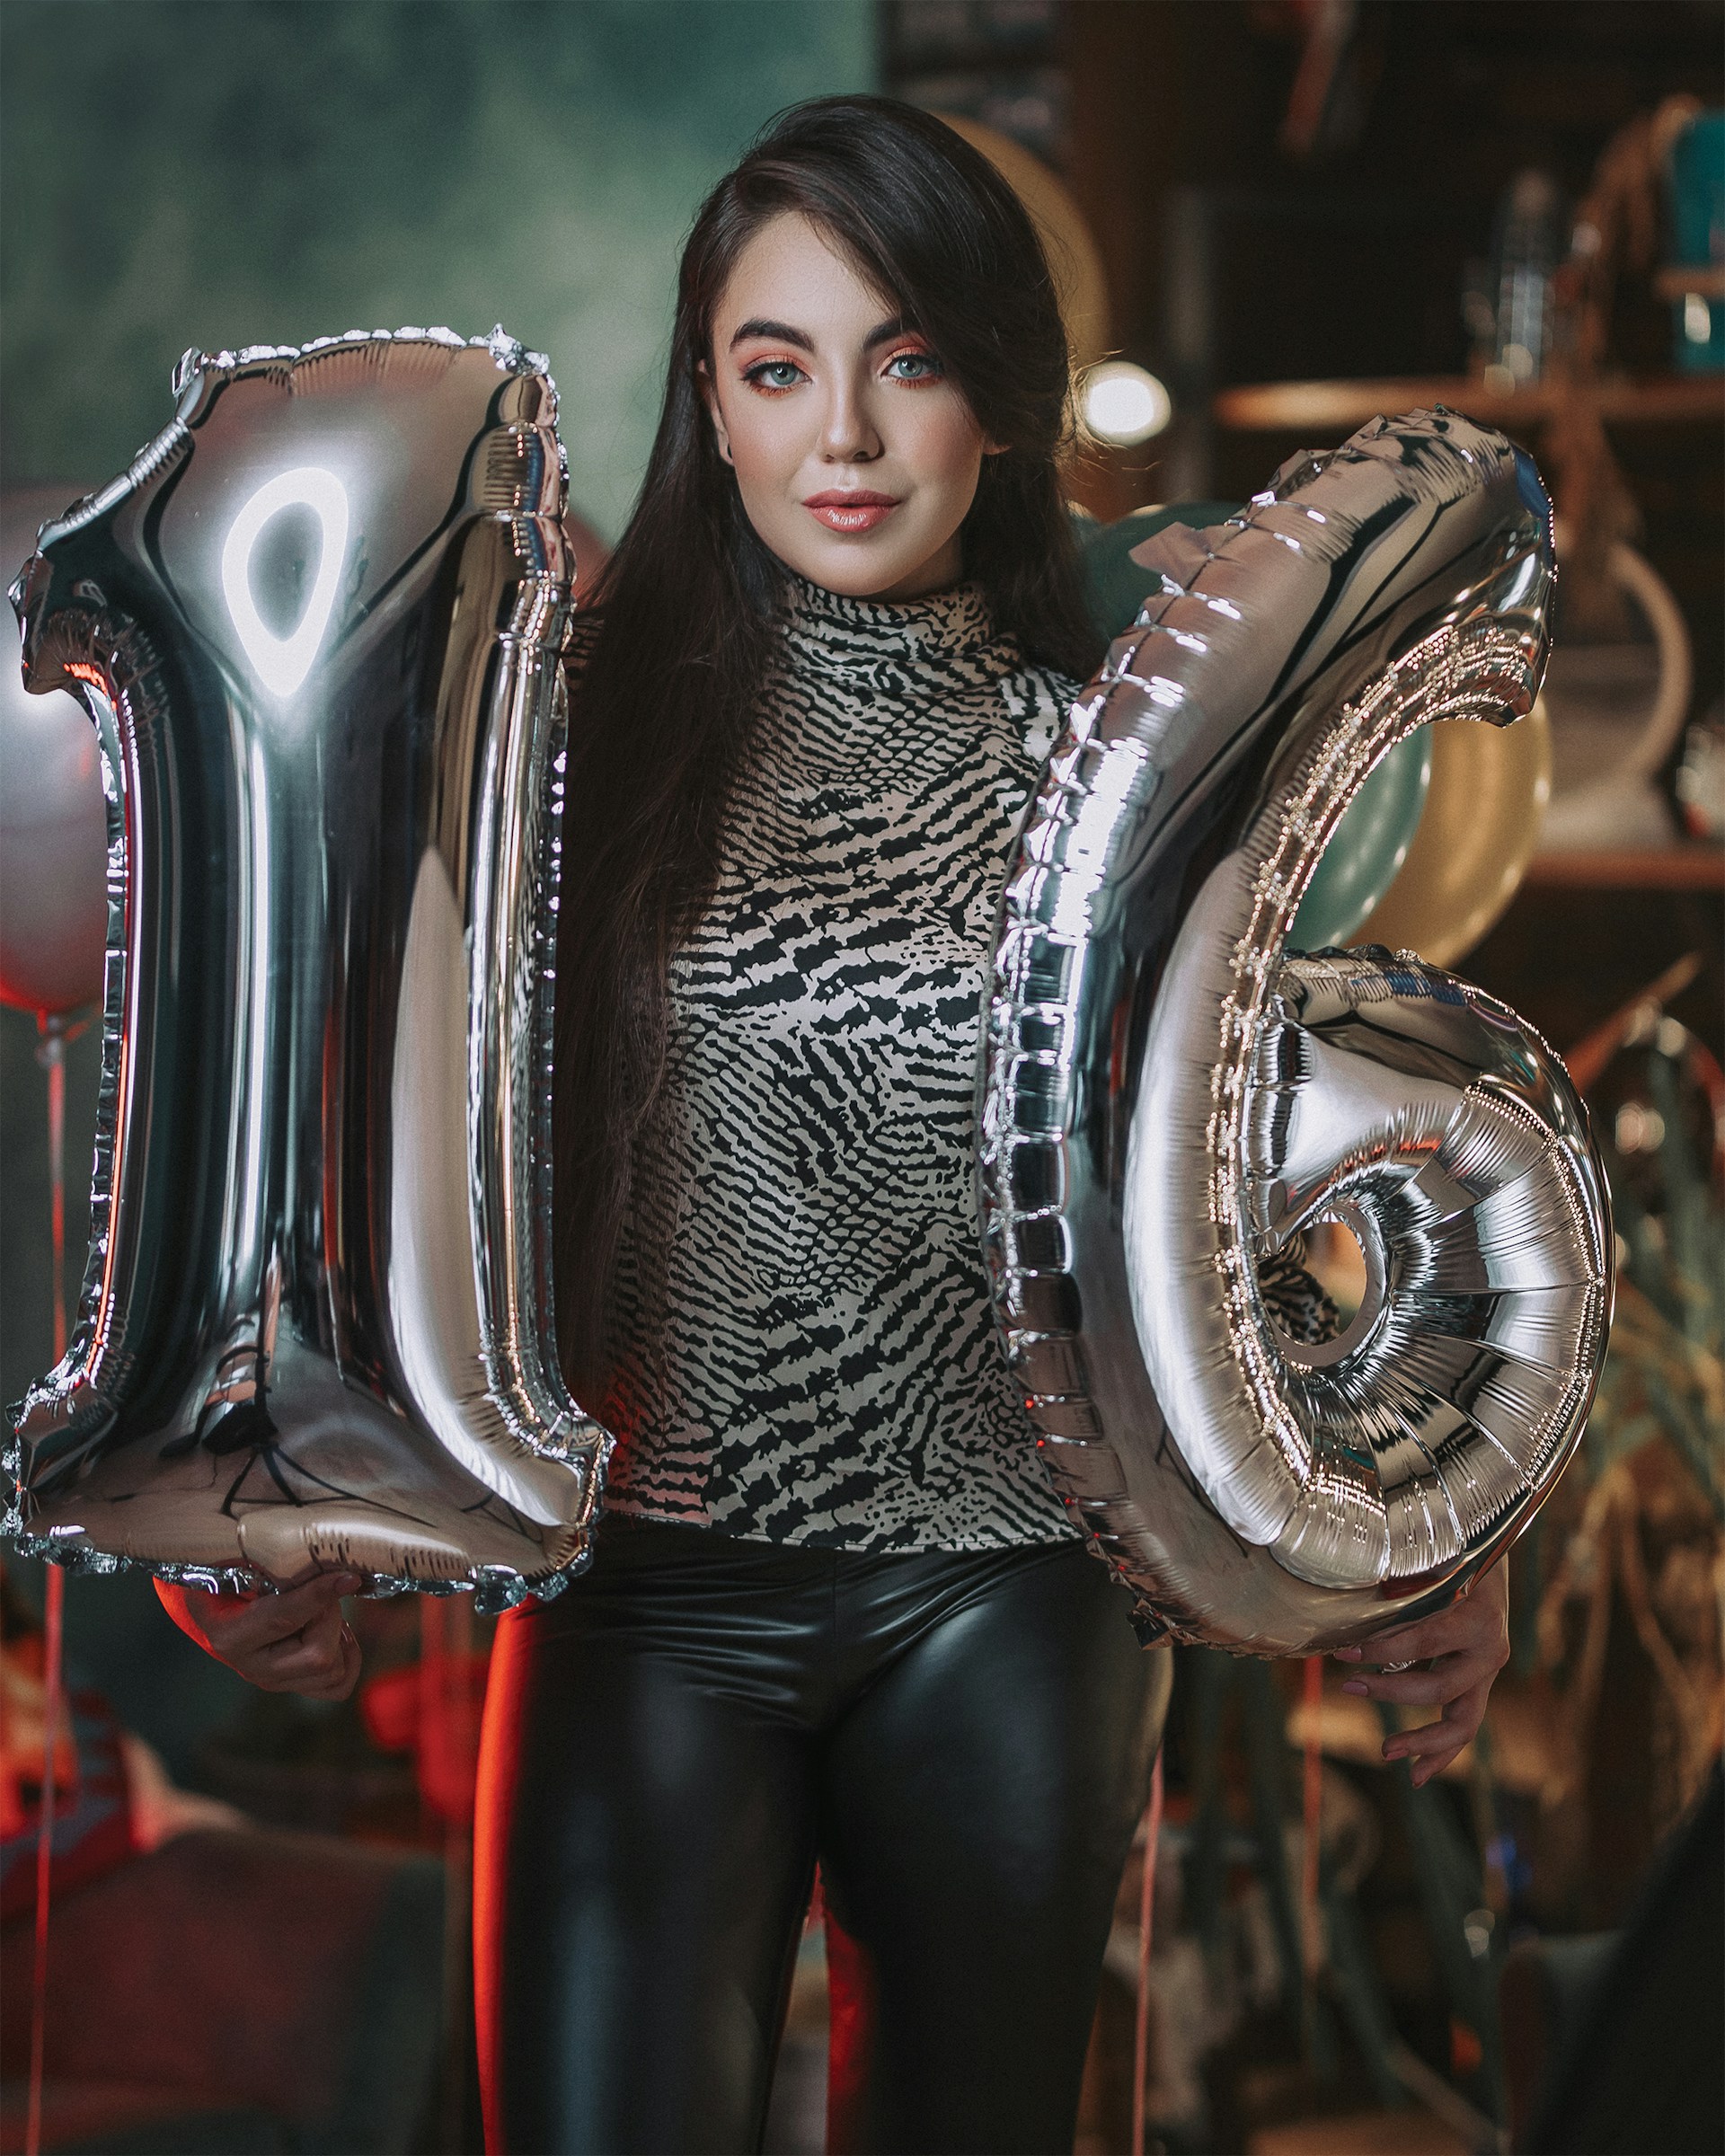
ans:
(55, 1600)
(439, 1670)
(1312, 1820)
(53, 1053)
(445, 1755)
(433, 1706)
(1146, 1910)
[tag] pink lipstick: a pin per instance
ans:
(852, 508)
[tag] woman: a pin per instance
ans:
(835, 1613)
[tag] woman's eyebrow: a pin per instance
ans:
(757, 326)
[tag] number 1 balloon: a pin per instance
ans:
(1169, 1095)
(318, 623)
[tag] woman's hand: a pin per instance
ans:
(1464, 1646)
(294, 1641)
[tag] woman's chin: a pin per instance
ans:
(860, 567)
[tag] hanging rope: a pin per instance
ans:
(1147, 1911)
(1310, 1839)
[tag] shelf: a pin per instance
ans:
(1274, 407)
(1660, 869)
(1707, 279)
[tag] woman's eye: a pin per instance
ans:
(913, 367)
(773, 373)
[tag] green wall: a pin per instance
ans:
(239, 171)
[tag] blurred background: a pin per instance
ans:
(1272, 219)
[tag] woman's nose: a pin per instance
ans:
(848, 436)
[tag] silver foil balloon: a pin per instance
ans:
(1168, 1096)
(318, 622)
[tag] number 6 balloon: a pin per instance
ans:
(317, 624)
(1168, 1096)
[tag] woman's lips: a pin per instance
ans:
(851, 512)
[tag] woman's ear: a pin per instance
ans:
(710, 398)
(995, 449)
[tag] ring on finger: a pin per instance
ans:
(1394, 1669)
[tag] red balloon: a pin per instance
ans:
(53, 817)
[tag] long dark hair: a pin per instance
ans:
(682, 625)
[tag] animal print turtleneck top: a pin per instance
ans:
(807, 1349)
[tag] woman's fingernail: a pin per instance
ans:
(1360, 1689)
(1348, 1654)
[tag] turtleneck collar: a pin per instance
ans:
(827, 633)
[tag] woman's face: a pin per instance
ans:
(855, 457)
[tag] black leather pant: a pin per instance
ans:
(962, 1740)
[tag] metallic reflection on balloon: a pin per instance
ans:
(325, 610)
(283, 662)
(1168, 1097)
